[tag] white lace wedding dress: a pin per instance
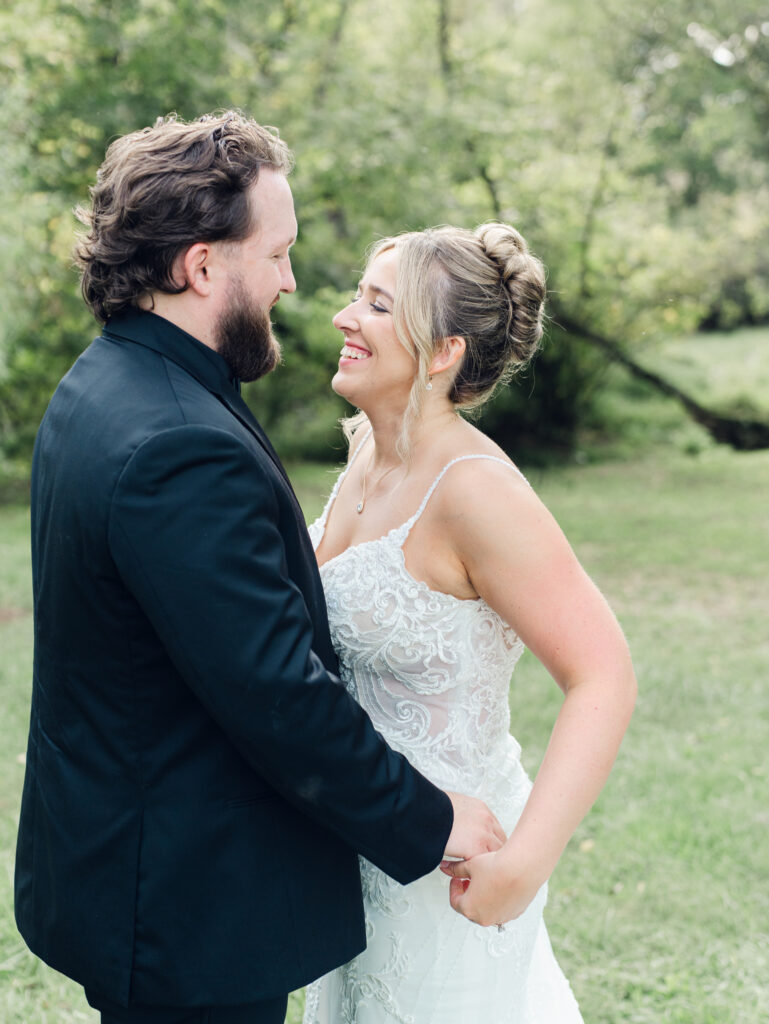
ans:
(433, 672)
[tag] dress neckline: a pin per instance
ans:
(405, 527)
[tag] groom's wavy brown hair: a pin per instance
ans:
(162, 189)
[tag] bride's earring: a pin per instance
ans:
(429, 385)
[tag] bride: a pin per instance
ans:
(439, 564)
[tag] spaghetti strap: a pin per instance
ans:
(321, 522)
(407, 527)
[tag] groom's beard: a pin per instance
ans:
(243, 337)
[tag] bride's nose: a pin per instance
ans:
(345, 318)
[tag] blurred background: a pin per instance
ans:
(629, 142)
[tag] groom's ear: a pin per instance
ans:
(193, 268)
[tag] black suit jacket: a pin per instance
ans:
(198, 781)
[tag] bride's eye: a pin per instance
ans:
(379, 309)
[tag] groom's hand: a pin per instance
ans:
(475, 830)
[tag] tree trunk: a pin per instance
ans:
(741, 433)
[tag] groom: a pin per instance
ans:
(199, 783)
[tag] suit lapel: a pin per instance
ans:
(240, 410)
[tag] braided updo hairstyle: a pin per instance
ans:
(482, 285)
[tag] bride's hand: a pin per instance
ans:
(475, 829)
(487, 892)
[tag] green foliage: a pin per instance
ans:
(628, 143)
(540, 413)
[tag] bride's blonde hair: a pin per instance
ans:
(482, 285)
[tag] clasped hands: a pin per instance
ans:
(489, 885)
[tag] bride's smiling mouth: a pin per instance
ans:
(353, 353)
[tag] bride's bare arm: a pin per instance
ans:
(519, 561)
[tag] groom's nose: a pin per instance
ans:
(287, 280)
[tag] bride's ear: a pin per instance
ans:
(450, 352)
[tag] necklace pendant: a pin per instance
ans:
(359, 507)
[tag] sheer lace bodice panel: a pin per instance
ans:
(431, 670)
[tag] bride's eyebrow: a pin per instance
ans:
(381, 291)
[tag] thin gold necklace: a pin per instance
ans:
(362, 503)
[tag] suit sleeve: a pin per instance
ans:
(193, 532)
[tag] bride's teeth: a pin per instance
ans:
(353, 353)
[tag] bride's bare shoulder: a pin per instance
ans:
(484, 483)
(478, 463)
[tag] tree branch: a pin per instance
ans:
(319, 94)
(741, 433)
(448, 74)
(596, 201)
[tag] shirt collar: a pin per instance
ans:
(162, 336)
